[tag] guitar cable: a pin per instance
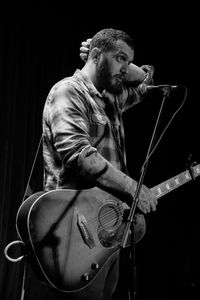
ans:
(19, 242)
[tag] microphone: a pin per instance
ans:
(161, 87)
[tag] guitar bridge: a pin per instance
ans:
(85, 233)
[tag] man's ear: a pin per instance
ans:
(95, 54)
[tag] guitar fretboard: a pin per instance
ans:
(176, 181)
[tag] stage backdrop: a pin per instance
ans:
(40, 46)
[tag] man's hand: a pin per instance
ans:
(84, 49)
(147, 200)
(149, 70)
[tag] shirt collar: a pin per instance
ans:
(89, 84)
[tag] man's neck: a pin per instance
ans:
(90, 70)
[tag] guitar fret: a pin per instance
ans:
(157, 192)
(176, 180)
(185, 176)
(171, 184)
(196, 170)
(165, 187)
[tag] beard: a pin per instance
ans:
(105, 80)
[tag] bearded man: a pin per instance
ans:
(84, 148)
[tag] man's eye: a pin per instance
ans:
(120, 58)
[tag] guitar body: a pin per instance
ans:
(70, 234)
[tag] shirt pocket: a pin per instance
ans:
(98, 118)
(99, 128)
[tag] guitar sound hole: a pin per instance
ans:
(110, 216)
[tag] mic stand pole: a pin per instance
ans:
(130, 225)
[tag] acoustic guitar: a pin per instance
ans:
(71, 234)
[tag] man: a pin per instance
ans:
(83, 144)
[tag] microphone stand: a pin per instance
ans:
(130, 225)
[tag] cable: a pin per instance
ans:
(165, 129)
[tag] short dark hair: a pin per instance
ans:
(106, 39)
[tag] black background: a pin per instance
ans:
(39, 46)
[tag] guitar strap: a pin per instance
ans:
(28, 191)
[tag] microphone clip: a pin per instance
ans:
(166, 90)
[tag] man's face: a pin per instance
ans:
(112, 67)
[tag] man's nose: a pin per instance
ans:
(124, 68)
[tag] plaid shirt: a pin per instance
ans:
(77, 121)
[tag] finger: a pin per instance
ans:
(154, 203)
(154, 200)
(84, 49)
(142, 209)
(153, 206)
(85, 44)
(83, 56)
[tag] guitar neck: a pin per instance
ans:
(176, 181)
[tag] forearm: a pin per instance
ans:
(137, 75)
(99, 171)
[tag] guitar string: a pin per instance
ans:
(106, 218)
(105, 224)
(105, 214)
(163, 192)
(109, 223)
(108, 214)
